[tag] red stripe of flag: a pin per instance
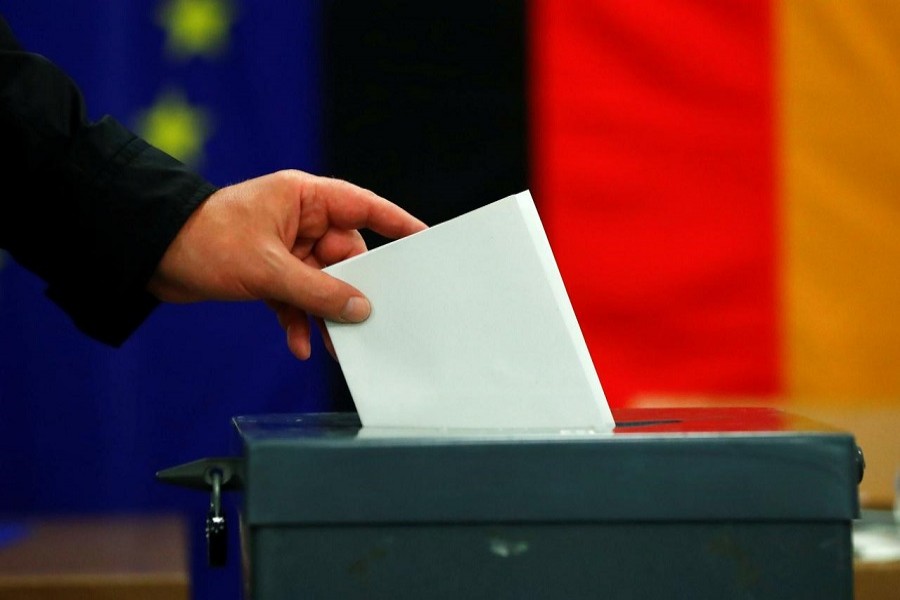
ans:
(654, 170)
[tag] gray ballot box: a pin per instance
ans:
(674, 503)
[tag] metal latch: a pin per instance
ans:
(215, 474)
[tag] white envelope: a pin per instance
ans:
(471, 328)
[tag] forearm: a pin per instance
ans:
(96, 206)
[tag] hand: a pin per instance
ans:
(268, 239)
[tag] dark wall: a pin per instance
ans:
(425, 104)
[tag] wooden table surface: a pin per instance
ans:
(140, 557)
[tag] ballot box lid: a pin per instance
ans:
(671, 464)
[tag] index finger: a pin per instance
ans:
(351, 207)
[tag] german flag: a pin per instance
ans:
(720, 181)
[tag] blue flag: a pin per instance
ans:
(231, 88)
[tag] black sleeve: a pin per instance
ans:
(87, 206)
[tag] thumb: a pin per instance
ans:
(320, 294)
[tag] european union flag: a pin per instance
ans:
(229, 87)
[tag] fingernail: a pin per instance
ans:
(357, 309)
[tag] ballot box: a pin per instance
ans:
(674, 503)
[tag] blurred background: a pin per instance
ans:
(720, 183)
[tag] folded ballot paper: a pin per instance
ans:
(471, 328)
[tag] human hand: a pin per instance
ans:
(268, 239)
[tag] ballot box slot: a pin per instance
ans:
(650, 423)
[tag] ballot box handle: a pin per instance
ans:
(216, 526)
(215, 475)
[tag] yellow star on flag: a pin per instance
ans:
(196, 27)
(173, 125)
